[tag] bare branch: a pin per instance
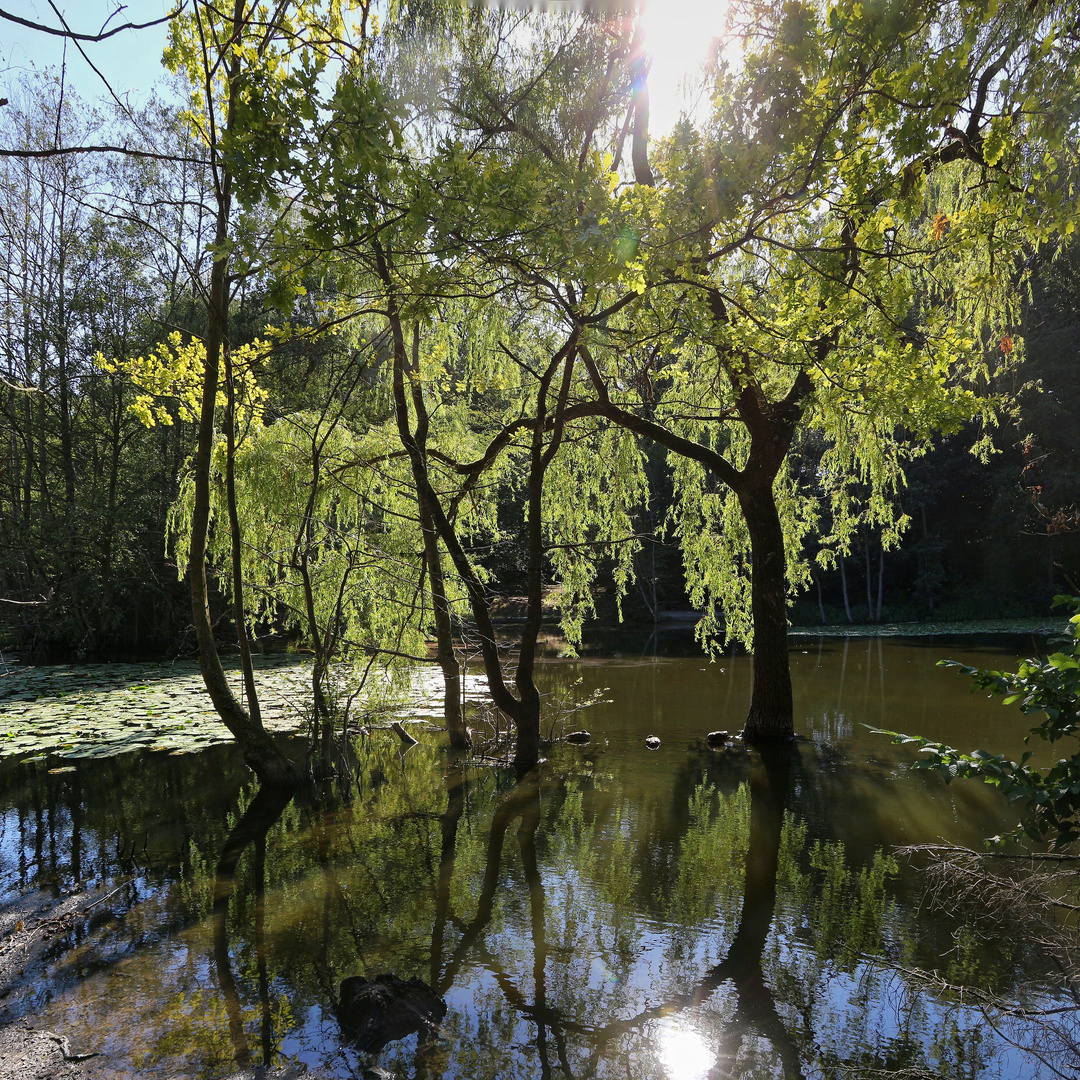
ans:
(72, 36)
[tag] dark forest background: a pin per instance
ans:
(85, 487)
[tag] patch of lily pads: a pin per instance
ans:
(99, 710)
(87, 711)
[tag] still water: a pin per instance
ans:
(677, 914)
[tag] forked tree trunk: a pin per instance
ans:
(524, 711)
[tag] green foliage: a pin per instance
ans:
(1049, 686)
(845, 909)
(712, 853)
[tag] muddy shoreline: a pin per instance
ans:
(28, 924)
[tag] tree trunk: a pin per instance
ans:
(880, 582)
(869, 575)
(843, 586)
(527, 750)
(261, 754)
(453, 713)
(427, 498)
(771, 714)
(444, 630)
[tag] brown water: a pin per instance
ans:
(674, 914)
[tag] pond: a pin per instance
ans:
(679, 914)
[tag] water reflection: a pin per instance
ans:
(685, 913)
(250, 831)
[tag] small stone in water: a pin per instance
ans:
(652, 742)
(578, 737)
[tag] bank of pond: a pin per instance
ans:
(679, 913)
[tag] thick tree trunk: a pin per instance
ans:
(771, 708)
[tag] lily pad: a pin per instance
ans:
(100, 710)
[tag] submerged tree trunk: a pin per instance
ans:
(771, 713)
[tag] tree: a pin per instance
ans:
(841, 248)
(229, 57)
(425, 243)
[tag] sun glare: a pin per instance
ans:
(683, 1053)
(679, 35)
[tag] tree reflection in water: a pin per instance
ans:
(576, 927)
(250, 831)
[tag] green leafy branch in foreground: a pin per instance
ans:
(1050, 687)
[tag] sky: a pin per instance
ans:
(130, 61)
(679, 33)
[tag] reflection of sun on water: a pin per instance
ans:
(684, 1054)
(679, 35)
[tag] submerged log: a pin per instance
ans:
(402, 734)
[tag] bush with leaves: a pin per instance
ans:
(1050, 687)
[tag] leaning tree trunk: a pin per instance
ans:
(260, 752)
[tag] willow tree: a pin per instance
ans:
(839, 248)
(425, 230)
(233, 58)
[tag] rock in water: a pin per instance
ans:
(652, 742)
(718, 738)
(578, 737)
(380, 1010)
